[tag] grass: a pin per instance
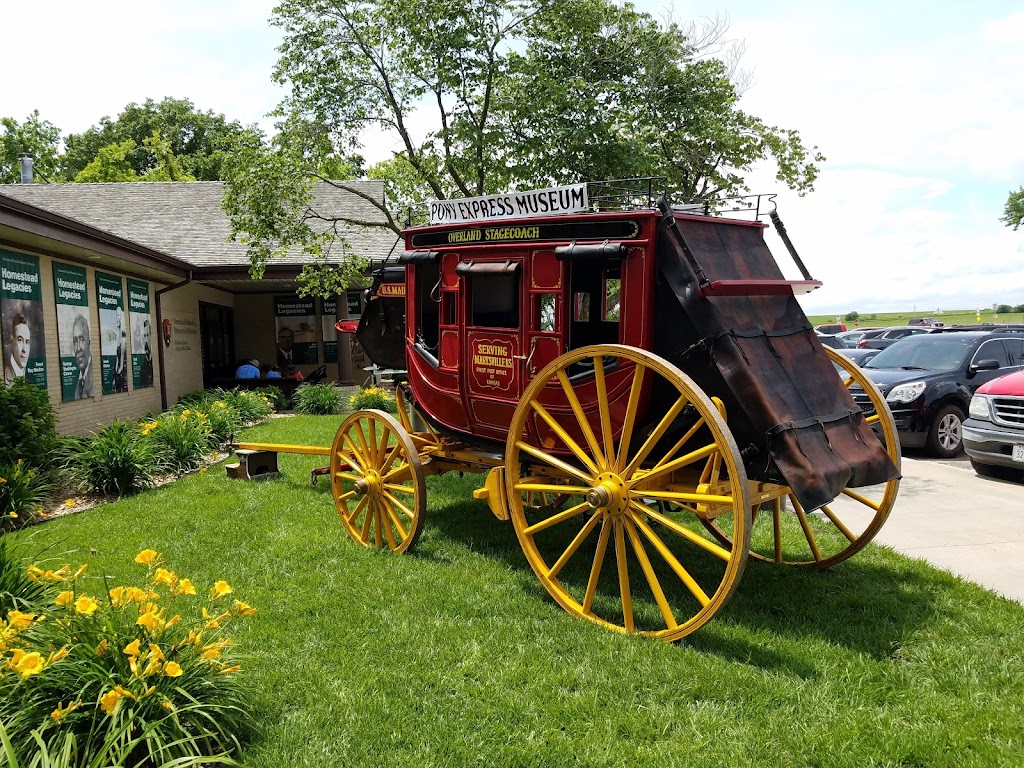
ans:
(949, 317)
(455, 655)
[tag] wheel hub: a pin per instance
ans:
(370, 485)
(609, 493)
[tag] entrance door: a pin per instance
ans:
(217, 334)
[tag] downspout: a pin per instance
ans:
(160, 341)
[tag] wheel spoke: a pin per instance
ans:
(367, 454)
(681, 530)
(348, 476)
(355, 512)
(630, 417)
(675, 464)
(673, 561)
(620, 560)
(396, 522)
(554, 462)
(683, 441)
(652, 579)
(655, 436)
(595, 568)
(585, 531)
(569, 490)
(602, 405)
(556, 519)
(802, 516)
(862, 499)
(581, 418)
(346, 495)
(706, 498)
(394, 488)
(873, 419)
(838, 523)
(394, 500)
(376, 525)
(564, 437)
(373, 444)
(364, 533)
(386, 525)
(359, 464)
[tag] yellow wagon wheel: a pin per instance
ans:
(637, 437)
(847, 523)
(377, 481)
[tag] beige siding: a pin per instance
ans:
(183, 357)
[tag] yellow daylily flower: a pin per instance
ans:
(18, 620)
(81, 571)
(58, 655)
(172, 669)
(133, 648)
(13, 515)
(244, 609)
(86, 605)
(118, 596)
(155, 652)
(108, 701)
(146, 556)
(151, 620)
(36, 574)
(163, 576)
(202, 470)
(65, 598)
(101, 649)
(69, 502)
(220, 589)
(26, 664)
(151, 668)
(229, 670)
(61, 712)
(185, 587)
(168, 705)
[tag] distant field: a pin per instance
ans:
(952, 317)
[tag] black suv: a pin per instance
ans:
(928, 380)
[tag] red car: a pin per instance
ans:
(994, 434)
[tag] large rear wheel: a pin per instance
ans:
(377, 481)
(611, 432)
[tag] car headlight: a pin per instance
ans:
(979, 408)
(906, 393)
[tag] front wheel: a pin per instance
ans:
(945, 438)
(637, 455)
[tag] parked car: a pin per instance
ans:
(860, 355)
(851, 337)
(994, 430)
(928, 381)
(830, 329)
(886, 337)
(930, 321)
(831, 340)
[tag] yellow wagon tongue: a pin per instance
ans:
(791, 415)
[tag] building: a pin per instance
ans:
(127, 296)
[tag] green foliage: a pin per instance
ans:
(17, 590)
(373, 397)
(1013, 212)
(39, 138)
(1019, 308)
(23, 489)
(179, 440)
(276, 397)
(28, 424)
(318, 399)
(1002, 309)
(109, 662)
(852, 316)
(115, 460)
(112, 163)
(249, 406)
(197, 140)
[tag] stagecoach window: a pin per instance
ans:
(495, 300)
(546, 318)
(448, 312)
(427, 314)
(611, 297)
(581, 308)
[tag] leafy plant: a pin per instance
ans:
(223, 422)
(276, 397)
(373, 397)
(318, 399)
(113, 460)
(17, 590)
(28, 425)
(23, 489)
(110, 663)
(251, 407)
(198, 399)
(179, 440)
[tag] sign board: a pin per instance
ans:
(142, 333)
(74, 338)
(511, 205)
(21, 310)
(113, 333)
(296, 330)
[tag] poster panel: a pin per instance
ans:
(295, 322)
(328, 313)
(113, 333)
(141, 325)
(74, 336)
(21, 318)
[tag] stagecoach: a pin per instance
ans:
(636, 381)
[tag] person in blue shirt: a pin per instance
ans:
(274, 373)
(250, 369)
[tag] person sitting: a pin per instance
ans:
(249, 369)
(274, 373)
(291, 372)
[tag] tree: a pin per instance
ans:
(112, 163)
(39, 138)
(852, 316)
(199, 140)
(1003, 309)
(485, 97)
(1013, 213)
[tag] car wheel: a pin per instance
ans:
(945, 439)
(985, 470)
(997, 472)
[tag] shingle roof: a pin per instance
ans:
(185, 219)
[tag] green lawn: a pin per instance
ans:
(454, 655)
(949, 317)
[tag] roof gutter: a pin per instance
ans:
(160, 330)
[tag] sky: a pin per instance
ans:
(917, 105)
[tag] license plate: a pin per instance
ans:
(1018, 453)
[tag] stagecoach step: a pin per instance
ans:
(253, 465)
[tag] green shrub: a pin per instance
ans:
(250, 407)
(373, 397)
(179, 440)
(318, 399)
(114, 460)
(27, 425)
(108, 664)
(223, 423)
(197, 399)
(23, 490)
(276, 397)
(17, 590)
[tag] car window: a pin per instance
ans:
(1015, 351)
(932, 352)
(899, 333)
(992, 350)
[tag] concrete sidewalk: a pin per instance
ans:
(966, 524)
